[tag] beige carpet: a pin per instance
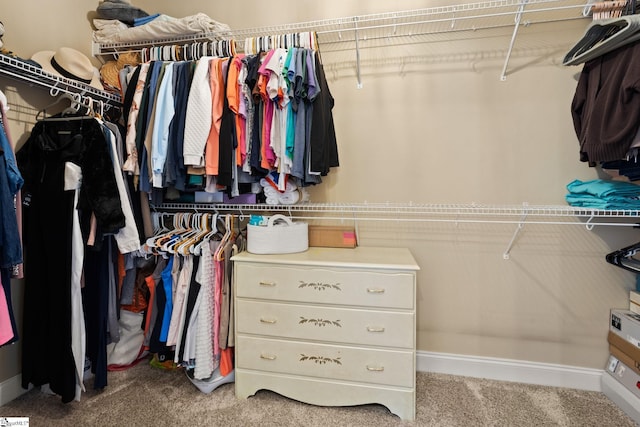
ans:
(146, 396)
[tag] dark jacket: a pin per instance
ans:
(606, 104)
(86, 147)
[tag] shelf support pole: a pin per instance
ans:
(518, 18)
(506, 255)
(355, 24)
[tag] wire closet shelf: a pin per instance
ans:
(409, 212)
(372, 32)
(334, 33)
(20, 70)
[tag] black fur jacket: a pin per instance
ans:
(42, 160)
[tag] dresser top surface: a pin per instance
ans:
(359, 257)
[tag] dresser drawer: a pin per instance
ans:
(369, 327)
(326, 286)
(388, 367)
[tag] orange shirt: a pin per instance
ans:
(212, 148)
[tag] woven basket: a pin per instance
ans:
(279, 236)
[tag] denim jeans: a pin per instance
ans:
(10, 245)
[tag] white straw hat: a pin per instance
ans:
(69, 63)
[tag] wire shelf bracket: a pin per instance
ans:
(506, 254)
(518, 18)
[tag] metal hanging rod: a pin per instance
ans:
(509, 214)
(23, 71)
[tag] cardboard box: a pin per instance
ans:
(634, 296)
(625, 375)
(634, 301)
(330, 236)
(627, 360)
(625, 346)
(626, 324)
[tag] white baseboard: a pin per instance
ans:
(510, 370)
(10, 389)
(622, 397)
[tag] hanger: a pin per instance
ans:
(100, 112)
(623, 258)
(75, 103)
(88, 103)
(212, 230)
(608, 9)
(202, 229)
(159, 227)
(187, 238)
(603, 36)
(165, 233)
(181, 228)
(219, 254)
(160, 230)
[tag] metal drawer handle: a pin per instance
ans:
(375, 368)
(267, 283)
(375, 290)
(375, 329)
(269, 321)
(267, 356)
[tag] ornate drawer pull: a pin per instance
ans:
(375, 329)
(268, 356)
(267, 283)
(375, 368)
(269, 321)
(375, 290)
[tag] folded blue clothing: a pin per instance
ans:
(603, 188)
(585, 201)
(603, 194)
(144, 20)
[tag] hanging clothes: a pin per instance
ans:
(605, 105)
(17, 270)
(11, 182)
(48, 210)
(228, 139)
(323, 145)
(6, 328)
(72, 181)
(193, 297)
(222, 123)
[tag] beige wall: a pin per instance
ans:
(442, 128)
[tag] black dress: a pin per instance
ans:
(47, 356)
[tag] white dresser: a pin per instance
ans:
(332, 327)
